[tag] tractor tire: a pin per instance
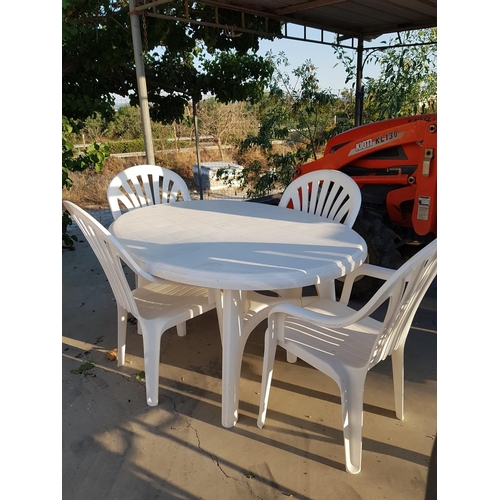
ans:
(381, 242)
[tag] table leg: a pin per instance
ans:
(326, 290)
(239, 313)
(232, 353)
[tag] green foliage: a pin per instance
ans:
(345, 111)
(119, 147)
(260, 180)
(302, 106)
(98, 59)
(278, 173)
(83, 368)
(301, 111)
(126, 123)
(98, 62)
(97, 56)
(230, 76)
(94, 127)
(72, 161)
(407, 84)
(408, 80)
(237, 77)
(94, 155)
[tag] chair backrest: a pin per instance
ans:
(110, 254)
(328, 193)
(403, 291)
(144, 185)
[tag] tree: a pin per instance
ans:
(301, 111)
(126, 124)
(408, 75)
(94, 127)
(97, 57)
(301, 105)
(345, 111)
(94, 156)
(226, 122)
(407, 83)
(98, 61)
(93, 68)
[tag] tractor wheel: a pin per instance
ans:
(381, 251)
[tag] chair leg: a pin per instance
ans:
(352, 417)
(140, 281)
(181, 329)
(267, 376)
(219, 299)
(151, 341)
(294, 293)
(398, 377)
(326, 290)
(122, 334)
(304, 301)
(212, 295)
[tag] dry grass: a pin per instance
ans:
(89, 187)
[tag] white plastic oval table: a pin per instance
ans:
(236, 246)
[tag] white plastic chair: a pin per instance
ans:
(144, 185)
(344, 343)
(328, 193)
(157, 306)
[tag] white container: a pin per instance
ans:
(209, 174)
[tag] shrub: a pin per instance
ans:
(137, 145)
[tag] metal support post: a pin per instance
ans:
(141, 83)
(358, 113)
(197, 140)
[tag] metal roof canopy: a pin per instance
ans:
(359, 20)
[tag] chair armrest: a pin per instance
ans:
(363, 270)
(278, 313)
(142, 276)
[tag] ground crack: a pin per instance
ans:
(253, 492)
(216, 460)
(211, 455)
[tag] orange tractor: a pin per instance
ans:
(394, 162)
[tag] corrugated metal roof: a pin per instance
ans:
(351, 18)
(365, 19)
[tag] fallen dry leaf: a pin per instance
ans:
(112, 355)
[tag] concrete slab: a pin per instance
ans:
(115, 446)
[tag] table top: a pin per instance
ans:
(238, 245)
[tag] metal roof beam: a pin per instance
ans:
(306, 6)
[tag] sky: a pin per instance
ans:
(322, 56)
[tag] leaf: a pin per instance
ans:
(112, 355)
(83, 368)
(140, 376)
